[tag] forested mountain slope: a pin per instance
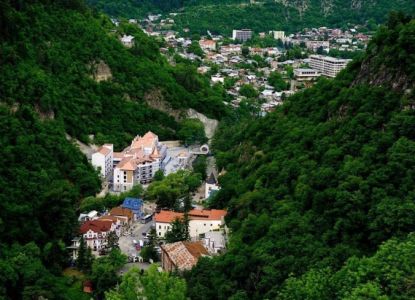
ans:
(221, 17)
(51, 55)
(321, 193)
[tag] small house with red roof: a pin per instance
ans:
(182, 255)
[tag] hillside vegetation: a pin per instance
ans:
(321, 193)
(221, 17)
(52, 57)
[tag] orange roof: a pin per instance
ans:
(126, 164)
(214, 214)
(122, 211)
(185, 255)
(113, 219)
(103, 150)
(150, 134)
(156, 153)
(167, 216)
(118, 155)
(96, 226)
(207, 42)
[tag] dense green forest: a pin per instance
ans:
(221, 17)
(321, 193)
(51, 53)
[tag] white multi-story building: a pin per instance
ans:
(201, 221)
(242, 35)
(139, 164)
(278, 35)
(328, 66)
(102, 159)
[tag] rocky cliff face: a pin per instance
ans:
(210, 124)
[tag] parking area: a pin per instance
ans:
(126, 242)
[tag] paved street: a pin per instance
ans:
(126, 242)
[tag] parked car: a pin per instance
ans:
(138, 247)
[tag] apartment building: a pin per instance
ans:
(328, 66)
(137, 164)
(242, 35)
(278, 35)
(102, 160)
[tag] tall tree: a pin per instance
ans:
(154, 285)
(82, 252)
(177, 232)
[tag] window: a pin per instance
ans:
(159, 233)
(204, 224)
(159, 226)
(211, 225)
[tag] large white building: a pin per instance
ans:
(278, 35)
(137, 164)
(102, 160)
(328, 66)
(242, 35)
(201, 221)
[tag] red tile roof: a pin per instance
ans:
(95, 226)
(185, 254)
(167, 216)
(214, 214)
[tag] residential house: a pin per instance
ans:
(201, 221)
(217, 78)
(125, 214)
(207, 45)
(96, 232)
(102, 160)
(136, 206)
(256, 51)
(163, 221)
(127, 40)
(182, 255)
(214, 241)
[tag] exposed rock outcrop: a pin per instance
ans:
(100, 71)
(210, 124)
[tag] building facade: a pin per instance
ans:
(201, 221)
(328, 66)
(305, 74)
(102, 160)
(278, 35)
(242, 35)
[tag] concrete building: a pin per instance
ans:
(242, 35)
(328, 66)
(305, 74)
(278, 35)
(314, 45)
(102, 160)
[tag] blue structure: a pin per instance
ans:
(134, 204)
